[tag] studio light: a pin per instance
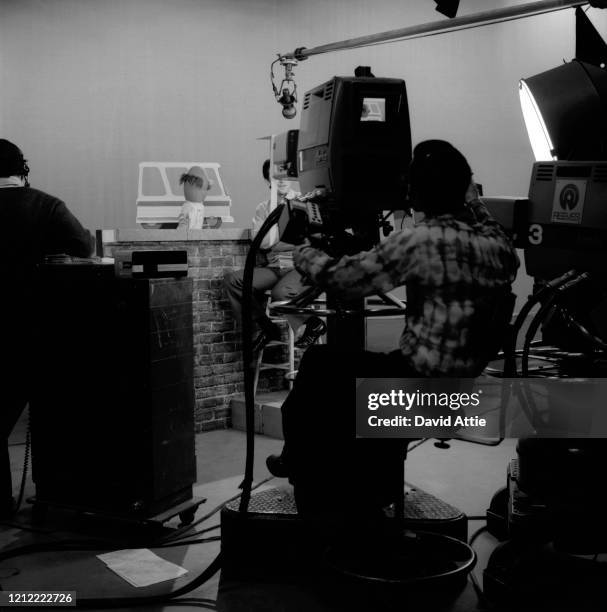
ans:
(539, 137)
(565, 112)
(447, 7)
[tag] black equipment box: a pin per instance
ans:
(151, 264)
(113, 407)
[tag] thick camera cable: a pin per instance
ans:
(524, 395)
(587, 335)
(536, 297)
(554, 288)
(537, 320)
(542, 314)
(247, 355)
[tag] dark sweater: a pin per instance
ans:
(32, 225)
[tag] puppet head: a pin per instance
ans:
(195, 183)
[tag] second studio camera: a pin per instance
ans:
(350, 156)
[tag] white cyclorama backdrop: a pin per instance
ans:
(90, 88)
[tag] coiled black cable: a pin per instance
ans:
(537, 297)
(247, 355)
(556, 293)
(591, 338)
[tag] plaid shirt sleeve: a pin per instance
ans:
(389, 264)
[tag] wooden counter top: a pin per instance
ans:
(116, 236)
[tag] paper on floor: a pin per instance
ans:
(141, 567)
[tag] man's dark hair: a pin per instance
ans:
(265, 170)
(438, 178)
(12, 162)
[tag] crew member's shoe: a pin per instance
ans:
(315, 328)
(268, 333)
(277, 466)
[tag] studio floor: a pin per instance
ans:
(466, 476)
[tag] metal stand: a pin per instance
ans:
(286, 543)
(388, 555)
(346, 328)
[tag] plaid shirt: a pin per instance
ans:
(451, 266)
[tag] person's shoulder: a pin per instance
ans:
(404, 238)
(453, 226)
(33, 199)
(420, 231)
(41, 196)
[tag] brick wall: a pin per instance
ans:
(218, 366)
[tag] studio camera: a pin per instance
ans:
(351, 157)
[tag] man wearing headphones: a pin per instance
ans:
(34, 224)
(455, 262)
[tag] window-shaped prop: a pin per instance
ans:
(160, 194)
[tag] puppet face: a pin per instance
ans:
(195, 184)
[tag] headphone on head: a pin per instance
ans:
(12, 162)
(437, 174)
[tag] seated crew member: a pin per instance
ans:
(279, 276)
(34, 224)
(456, 264)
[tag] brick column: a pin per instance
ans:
(218, 366)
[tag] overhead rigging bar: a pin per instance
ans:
(434, 28)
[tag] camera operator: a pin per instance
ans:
(456, 264)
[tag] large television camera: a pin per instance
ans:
(562, 227)
(563, 222)
(551, 507)
(351, 159)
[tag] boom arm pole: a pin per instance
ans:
(441, 27)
